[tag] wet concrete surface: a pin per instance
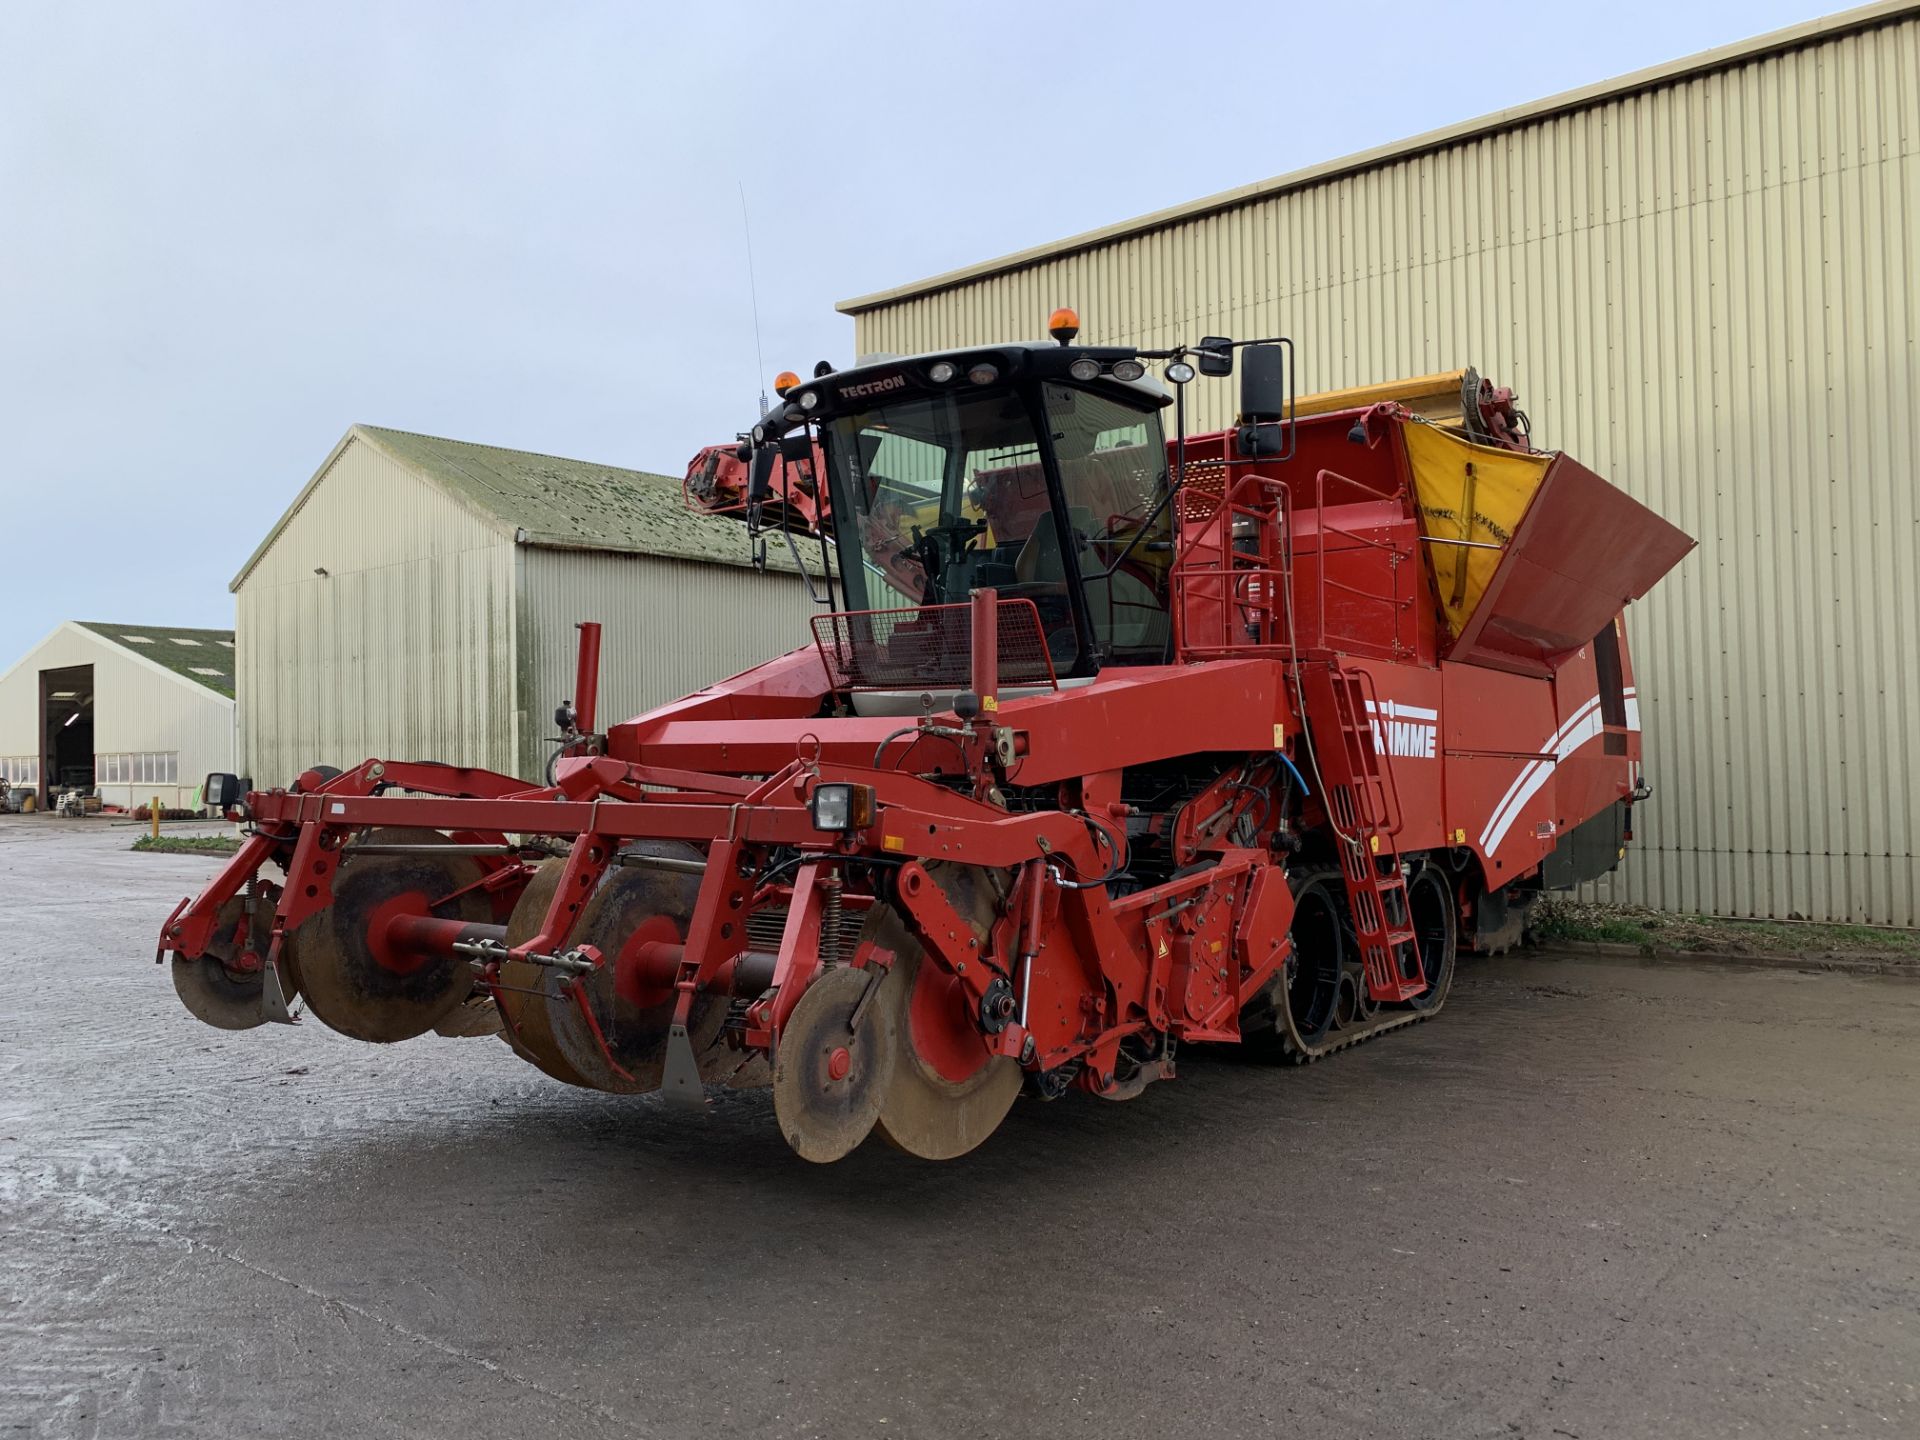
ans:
(1591, 1199)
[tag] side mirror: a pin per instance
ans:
(1263, 385)
(760, 473)
(1214, 355)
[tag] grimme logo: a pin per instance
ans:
(1404, 729)
(873, 387)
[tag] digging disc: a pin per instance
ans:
(948, 1092)
(528, 1012)
(829, 1075)
(631, 907)
(350, 980)
(222, 998)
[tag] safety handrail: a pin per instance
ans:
(1396, 604)
(1237, 573)
(1389, 786)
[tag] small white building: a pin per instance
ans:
(419, 598)
(131, 712)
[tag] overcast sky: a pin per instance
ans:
(229, 231)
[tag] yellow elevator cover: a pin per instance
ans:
(1472, 493)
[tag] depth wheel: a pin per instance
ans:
(634, 905)
(523, 987)
(224, 998)
(949, 1091)
(353, 981)
(831, 1072)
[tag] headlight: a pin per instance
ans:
(1085, 368)
(1127, 370)
(809, 399)
(759, 434)
(983, 374)
(841, 807)
(1179, 372)
(222, 791)
(941, 371)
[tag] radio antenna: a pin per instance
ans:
(753, 292)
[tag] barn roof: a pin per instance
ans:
(204, 657)
(553, 502)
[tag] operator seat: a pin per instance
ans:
(1041, 560)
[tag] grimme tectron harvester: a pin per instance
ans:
(1105, 743)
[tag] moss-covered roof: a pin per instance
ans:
(574, 504)
(560, 504)
(203, 656)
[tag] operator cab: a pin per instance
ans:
(1038, 470)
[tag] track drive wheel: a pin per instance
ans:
(351, 979)
(835, 1060)
(1311, 981)
(948, 1091)
(217, 995)
(1430, 906)
(633, 1012)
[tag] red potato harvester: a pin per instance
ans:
(1104, 743)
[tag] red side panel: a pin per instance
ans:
(1581, 552)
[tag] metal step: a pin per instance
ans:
(1359, 795)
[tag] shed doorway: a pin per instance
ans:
(66, 732)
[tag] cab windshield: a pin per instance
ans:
(942, 494)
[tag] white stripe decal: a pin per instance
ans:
(1394, 710)
(1552, 747)
(1583, 730)
(1633, 712)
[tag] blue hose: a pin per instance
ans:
(1282, 755)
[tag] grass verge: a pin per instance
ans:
(1651, 930)
(189, 844)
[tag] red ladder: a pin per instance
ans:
(1364, 807)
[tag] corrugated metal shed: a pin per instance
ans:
(418, 601)
(161, 707)
(1702, 279)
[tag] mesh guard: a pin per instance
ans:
(929, 647)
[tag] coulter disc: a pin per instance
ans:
(527, 1012)
(223, 998)
(948, 1091)
(353, 981)
(633, 1009)
(830, 1072)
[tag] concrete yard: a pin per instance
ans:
(1594, 1198)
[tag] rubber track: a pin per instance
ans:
(1299, 1052)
